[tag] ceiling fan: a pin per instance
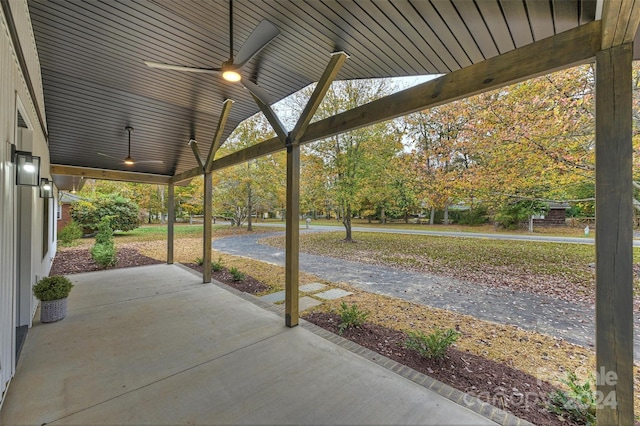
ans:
(230, 70)
(129, 161)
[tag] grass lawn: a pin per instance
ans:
(483, 229)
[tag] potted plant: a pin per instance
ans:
(53, 292)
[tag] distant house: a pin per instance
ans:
(556, 216)
(63, 213)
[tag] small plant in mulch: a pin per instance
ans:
(577, 404)
(217, 265)
(432, 345)
(236, 274)
(351, 316)
(69, 233)
(199, 261)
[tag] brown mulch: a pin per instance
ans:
(74, 261)
(497, 384)
(248, 285)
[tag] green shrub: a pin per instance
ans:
(578, 404)
(199, 261)
(513, 213)
(123, 212)
(351, 316)
(217, 265)
(475, 216)
(52, 288)
(105, 233)
(70, 233)
(104, 254)
(236, 274)
(433, 345)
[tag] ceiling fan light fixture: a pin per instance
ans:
(129, 161)
(230, 73)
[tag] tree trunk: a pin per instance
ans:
(369, 219)
(446, 215)
(161, 194)
(346, 221)
(432, 217)
(406, 217)
(383, 217)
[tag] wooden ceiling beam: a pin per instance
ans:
(620, 20)
(217, 138)
(273, 119)
(329, 74)
(91, 173)
(196, 152)
(569, 48)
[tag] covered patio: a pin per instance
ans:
(152, 345)
(100, 69)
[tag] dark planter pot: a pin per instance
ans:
(53, 310)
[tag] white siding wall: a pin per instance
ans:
(13, 87)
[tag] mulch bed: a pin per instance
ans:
(74, 261)
(248, 285)
(497, 384)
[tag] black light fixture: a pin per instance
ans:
(27, 167)
(46, 188)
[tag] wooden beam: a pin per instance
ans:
(330, 73)
(91, 173)
(196, 152)
(620, 19)
(292, 238)
(273, 119)
(242, 156)
(206, 239)
(614, 239)
(563, 50)
(186, 175)
(170, 223)
(217, 138)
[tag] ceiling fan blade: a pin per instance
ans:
(182, 68)
(259, 38)
(149, 162)
(109, 156)
(258, 91)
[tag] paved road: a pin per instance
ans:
(572, 322)
(495, 236)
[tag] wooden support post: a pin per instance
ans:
(292, 262)
(614, 237)
(172, 218)
(206, 249)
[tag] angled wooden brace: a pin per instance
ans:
(330, 73)
(273, 119)
(217, 138)
(196, 152)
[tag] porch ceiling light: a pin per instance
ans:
(46, 188)
(27, 168)
(230, 72)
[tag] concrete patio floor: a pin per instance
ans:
(153, 345)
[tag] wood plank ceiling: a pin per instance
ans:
(95, 81)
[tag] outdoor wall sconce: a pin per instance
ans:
(46, 188)
(27, 167)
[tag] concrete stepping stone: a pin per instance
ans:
(307, 302)
(312, 287)
(334, 293)
(274, 297)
